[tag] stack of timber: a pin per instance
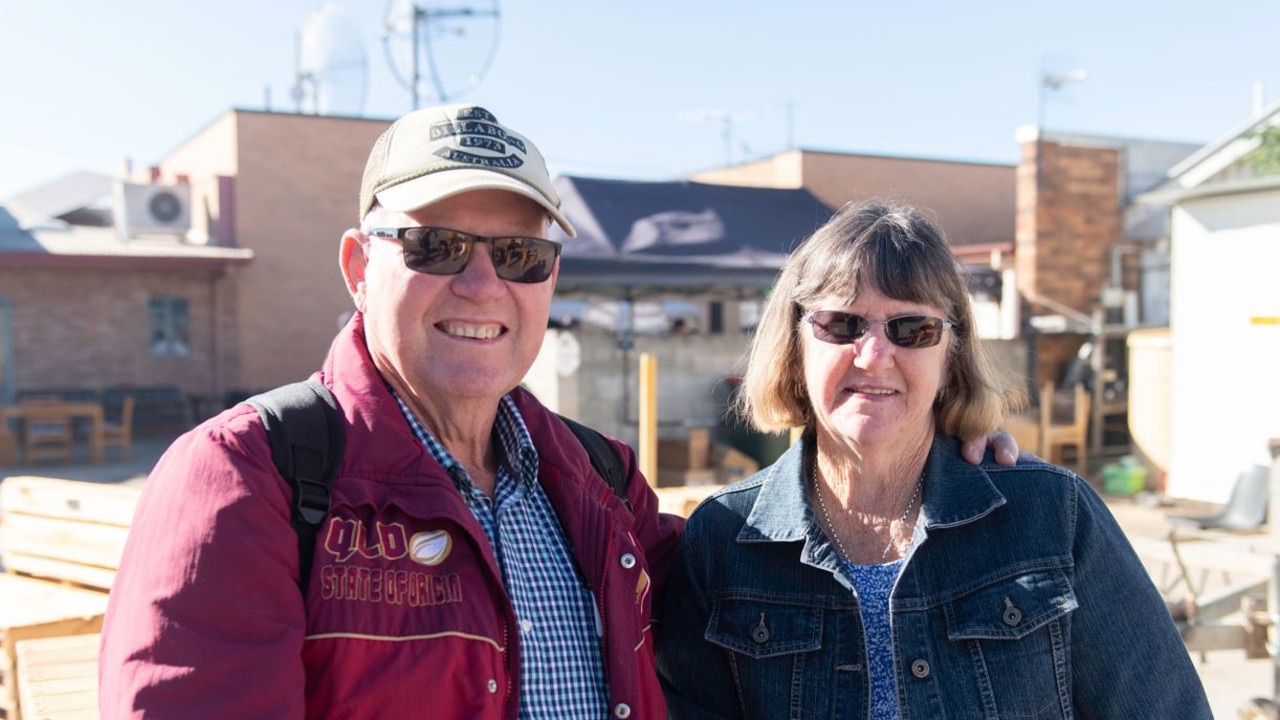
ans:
(62, 541)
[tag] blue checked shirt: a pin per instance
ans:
(561, 668)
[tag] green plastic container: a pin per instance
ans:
(1127, 477)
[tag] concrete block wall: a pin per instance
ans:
(694, 383)
(603, 390)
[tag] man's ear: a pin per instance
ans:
(353, 259)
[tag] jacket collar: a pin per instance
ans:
(389, 448)
(955, 493)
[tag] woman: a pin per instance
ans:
(872, 573)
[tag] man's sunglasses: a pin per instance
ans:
(906, 331)
(440, 251)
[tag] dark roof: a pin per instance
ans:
(649, 238)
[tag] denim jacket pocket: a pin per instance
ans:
(1012, 608)
(1014, 636)
(763, 628)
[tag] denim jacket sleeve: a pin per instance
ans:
(1128, 660)
(695, 675)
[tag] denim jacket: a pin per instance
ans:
(1020, 598)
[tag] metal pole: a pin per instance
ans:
(1273, 590)
(417, 17)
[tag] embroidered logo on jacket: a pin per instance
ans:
(430, 548)
(347, 539)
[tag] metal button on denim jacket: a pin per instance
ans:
(1021, 598)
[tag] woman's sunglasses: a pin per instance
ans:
(906, 331)
(440, 251)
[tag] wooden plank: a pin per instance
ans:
(58, 677)
(30, 602)
(66, 540)
(88, 577)
(65, 530)
(106, 504)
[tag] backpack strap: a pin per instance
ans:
(305, 429)
(604, 458)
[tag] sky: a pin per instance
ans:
(647, 91)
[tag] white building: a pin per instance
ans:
(1224, 310)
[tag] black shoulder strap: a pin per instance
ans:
(604, 458)
(305, 430)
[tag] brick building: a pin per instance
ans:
(286, 186)
(245, 295)
(1091, 263)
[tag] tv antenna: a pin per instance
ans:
(442, 51)
(726, 120)
(332, 70)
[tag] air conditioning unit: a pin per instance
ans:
(153, 209)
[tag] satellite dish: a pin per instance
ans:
(332, 69)
(440, 52)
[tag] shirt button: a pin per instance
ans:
(526, 625)
(920, 668)
(493, 686)
(628, 560)
(622, 711)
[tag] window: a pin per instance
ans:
(6, 353)
(169, 327)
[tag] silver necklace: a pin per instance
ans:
(893, 534)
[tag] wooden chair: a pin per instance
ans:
(8, 446)
(120, 432)
(46, 432)
(1056, 436)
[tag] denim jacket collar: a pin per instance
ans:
(955, 493)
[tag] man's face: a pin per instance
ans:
(444, 339)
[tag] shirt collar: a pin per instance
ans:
(515, 446)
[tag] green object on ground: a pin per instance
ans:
(1126, 477)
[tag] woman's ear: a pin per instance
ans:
(353, 259)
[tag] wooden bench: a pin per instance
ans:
(62, 541)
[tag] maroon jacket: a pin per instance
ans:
(405, 616)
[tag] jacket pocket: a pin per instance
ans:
(773, 647)
(761, 628)
(1012, 608)
(1015, 633)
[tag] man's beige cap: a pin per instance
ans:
(436, 153)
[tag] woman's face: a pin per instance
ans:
(872, 393)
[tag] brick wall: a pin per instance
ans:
(294, 191)
(973, 202)
(1068, 219)
(87, 327)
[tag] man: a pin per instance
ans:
(472, 564)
